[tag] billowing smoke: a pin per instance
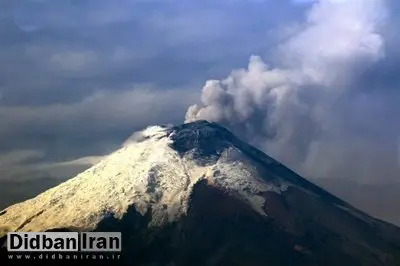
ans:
(292, 112)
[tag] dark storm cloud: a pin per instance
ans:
(66, 49)
(78, 77)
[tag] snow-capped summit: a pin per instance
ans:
(155, 172)
(177, 190)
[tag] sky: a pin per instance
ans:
(312, 83)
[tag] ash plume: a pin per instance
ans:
(294, 111)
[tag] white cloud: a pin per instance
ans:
(17, 157)
(19, 165)
(74, 60)
(336, 35)
(100, 112)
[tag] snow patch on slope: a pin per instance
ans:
(234, 171)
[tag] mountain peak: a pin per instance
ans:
(156, 174)
(199, 177)
(204, 139)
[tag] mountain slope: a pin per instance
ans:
(197, 195)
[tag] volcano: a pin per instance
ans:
(195, 194)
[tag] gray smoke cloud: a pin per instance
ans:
(296, 110)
